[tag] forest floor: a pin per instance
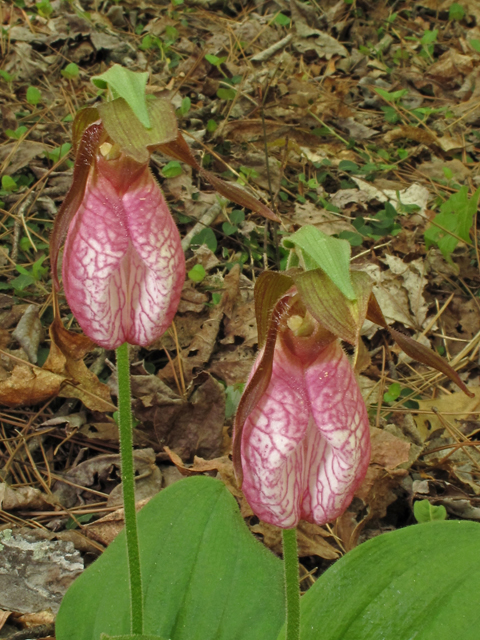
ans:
(357, 117)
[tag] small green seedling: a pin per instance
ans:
(424, 511)
(172, 169)
(71, 71)
(456, 216)
(33, 96)
(206, 236)
(197, 273)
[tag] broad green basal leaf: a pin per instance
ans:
(135, 636)
(204, 576)
(421, 583)
(329, 254)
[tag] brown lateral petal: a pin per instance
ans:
(427, 356)
(343, 317)
(374, 313)
(413, 348)
(258, 383)
(83, 119)
(87, 150)
(269, 288)
(180, 150)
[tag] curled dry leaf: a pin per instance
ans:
(102, 473)
(29, 385)
(310, 538)
(223, 466)
(106, 529)
(24, 498)
(29, 332)
(63, 374)
(66, 355)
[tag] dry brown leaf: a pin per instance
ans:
(20, 154)
(188, 426)
(199, 351)
(311, 213)
(25, 498)
(4, 615)
(233, 364)
(449, 68)
(66, 355)
(30, 620)
(310, 538)
(64, 373)
(412, 133)
(106, 529)
(29, 385)
(239, 321)
(29, 332)
(101, 473)
(412, 277)
(434, 169)
(223, 466)
(457, 403)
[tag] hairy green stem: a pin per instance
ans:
(292, 584)
(128, 484)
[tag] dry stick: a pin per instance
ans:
(179, 357)
(205, 221)
(272, 50)
(456, 434)
(17, 227)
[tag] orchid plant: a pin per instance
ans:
(192, 570)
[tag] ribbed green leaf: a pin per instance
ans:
(204, 575)
(420, 582)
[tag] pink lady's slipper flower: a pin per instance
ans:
(301, 442)
(305, 447)
(123, 266)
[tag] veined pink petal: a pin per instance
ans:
(340, 418)
(123, 265)
(305, 447)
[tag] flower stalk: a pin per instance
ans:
(128, 486)
(292, 586)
